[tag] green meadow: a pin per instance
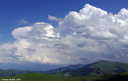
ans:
(49, 77)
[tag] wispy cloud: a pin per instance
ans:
(22, 22)
(54, 18)
(81, 37)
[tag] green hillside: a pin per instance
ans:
(49, 77)
(100, 68)
(38, 77)
(117, 77)
(115, 67)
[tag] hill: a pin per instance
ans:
(37, 77)
(100, 68)
(117, 77)
(49, 77)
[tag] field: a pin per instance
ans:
(49, 77)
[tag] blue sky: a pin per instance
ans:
(14, 11)
(62, 32)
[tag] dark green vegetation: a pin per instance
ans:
(39, 77)
(117, 77)
(49, 77)
(100, 68)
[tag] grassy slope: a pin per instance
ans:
(39, 77)
(117, 77)
(101, 68)
(115, 67)
(49, 77)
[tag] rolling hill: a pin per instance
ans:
(100, 68)
(117, 77)
(49, 77)
(36, 77)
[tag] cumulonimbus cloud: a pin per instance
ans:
(81, 37)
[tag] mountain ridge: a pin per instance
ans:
(61, 69)
(100, 68)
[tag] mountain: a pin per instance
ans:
(100, 68)
(12, 72)
(70, 68)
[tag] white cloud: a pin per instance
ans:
(17, 33)
(54, 18)
(81, 37)
(22, 21)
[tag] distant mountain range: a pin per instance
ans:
(12, 72)
(62, 69)
(100, 68)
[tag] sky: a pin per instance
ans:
(53, 33)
